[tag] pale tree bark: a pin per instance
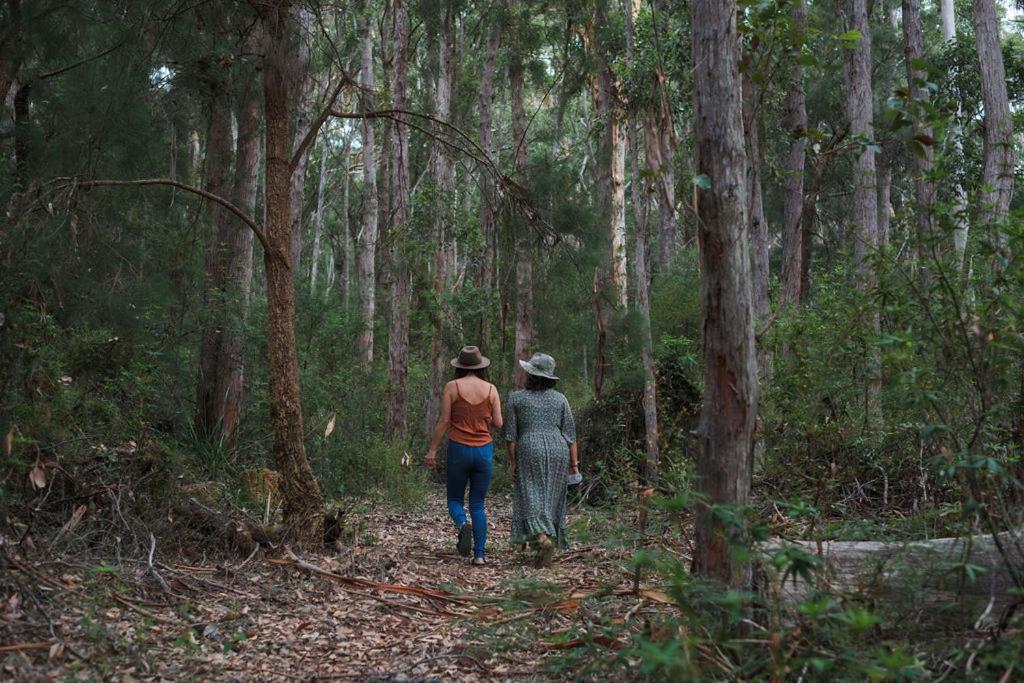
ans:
(345, 228)
(884, 199)
(367, 246)
(302, 115)
(401, 288)
(443, 172)
(921, 163)
(860, 111)
(759, 240)
(730, 367)
(947, 13)
(521, 234)
(641, 280)
(998, 153)
(303, 506)
(318, 218)
(11, 47)
(484, 280)
(617, 217)
(793, 175)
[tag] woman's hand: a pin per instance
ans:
(431, 457)
(574, 469)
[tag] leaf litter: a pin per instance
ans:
(402, 606)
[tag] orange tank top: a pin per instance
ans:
(470, 422)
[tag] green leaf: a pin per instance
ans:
(703, 181)
(917, 149)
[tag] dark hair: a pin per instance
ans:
(479, 372)
(535, 383)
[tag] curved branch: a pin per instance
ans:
(244, 217)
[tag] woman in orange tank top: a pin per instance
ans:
(470, 409)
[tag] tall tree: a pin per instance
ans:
(997, 166)
(367, 247)
(443, 172)
(318, 217)
(302, 113)
(521, 235)
(484, 276)
(401, 287)
(759, 239)
(303, 506)
(793, 171)
(730, 366)
(948, 16)
(641, 270)
(229, 272)
(917, 91)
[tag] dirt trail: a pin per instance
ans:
(408, 608)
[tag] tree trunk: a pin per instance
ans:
(443, 171)
(730, 367)
(521, 234)
(302, 115)
(347, 248)
(617, 217)
(921, 163)
(303, 507)
(884, 199)
(22, 133)
(641, 280)
(860, 111)
(484, 280)
(367, 247)
(318, 219)
(793, 175)
(947, 13)
(11, 46)
(998, 153)
(759, 240)
(401, 292)
(948, 16)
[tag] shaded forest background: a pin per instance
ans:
(522, 175)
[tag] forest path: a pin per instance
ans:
(400, 605)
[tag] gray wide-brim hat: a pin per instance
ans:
(540, 365)
(470, 358)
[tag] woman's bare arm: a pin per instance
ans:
(497, 421)
(443, 420)
(574, 458)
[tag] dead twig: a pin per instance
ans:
(152, 570)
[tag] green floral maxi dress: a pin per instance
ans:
(541, 425)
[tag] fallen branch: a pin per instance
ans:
(152, 570)
(15, 647)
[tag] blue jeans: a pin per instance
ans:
(472, 465)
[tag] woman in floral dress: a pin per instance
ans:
(541, 437)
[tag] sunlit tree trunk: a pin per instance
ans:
(367, 247)
(318, 218)
(947, 13)
(641, 278)
(443, 172)
(484, 280)
(401, 288)
(521, 234)
(617, 218)
(345, 228)
(730, 367)
(303, 506)
(793, 174)
(997, 166)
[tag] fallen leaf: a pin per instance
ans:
(56, 650)
(38, 477)
(330, 426)
(657, 596)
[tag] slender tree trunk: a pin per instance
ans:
(401, 293)
(347, 247)
(443, 171)
(921, 163)
(759, 240)
(730, 367)
(947, 13)
(617, 218)
(11, 46)
(793, 175)
(960, 232)
(209, 403)
(884, 199)
(860, 111)
(318, 220)
(303, 507)
(998, 153)
(641, 279)
(368, 233)
(521, 234)
(484, 280)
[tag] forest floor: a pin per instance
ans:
(397, 605)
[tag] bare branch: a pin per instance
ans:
(244, 217)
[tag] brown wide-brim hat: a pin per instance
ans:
(470, 358)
